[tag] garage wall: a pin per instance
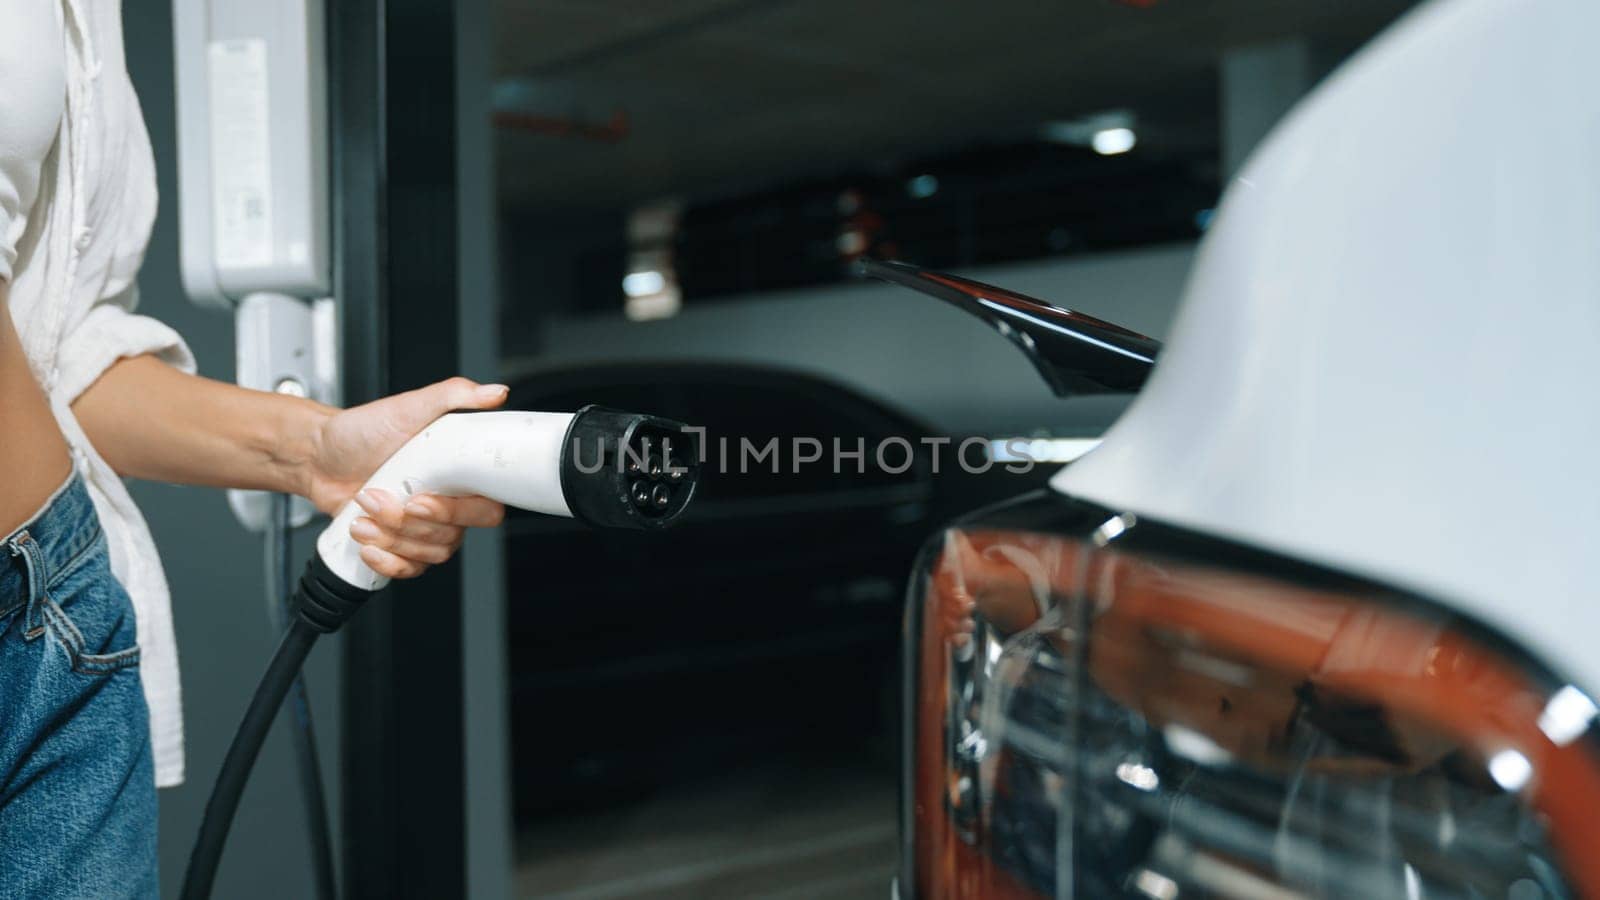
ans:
(916, 353)
(215, 569)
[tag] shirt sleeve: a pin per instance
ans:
(112, 331)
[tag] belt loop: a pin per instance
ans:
(25, 546)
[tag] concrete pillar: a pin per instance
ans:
(485, 690)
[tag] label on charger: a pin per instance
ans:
(241, 162)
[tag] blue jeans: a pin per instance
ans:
(77, 783)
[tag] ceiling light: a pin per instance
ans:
(1111, 141)
(851, 242)
(643, 284)
(1109, 126)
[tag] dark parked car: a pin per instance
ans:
(774, 607)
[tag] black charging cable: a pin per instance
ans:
(323, 602)
(302, 734)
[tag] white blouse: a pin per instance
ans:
(77, 198)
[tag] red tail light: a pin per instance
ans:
(1123, 712)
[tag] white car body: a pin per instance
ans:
(1387, 355)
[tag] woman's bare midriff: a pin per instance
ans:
(34, 459)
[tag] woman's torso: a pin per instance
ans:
(34, 459)
(33, 455)
(73, 296)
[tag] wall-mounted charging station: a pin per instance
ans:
(255, 239)
(353, 171)
(253, 208)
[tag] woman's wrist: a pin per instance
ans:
(297, 444)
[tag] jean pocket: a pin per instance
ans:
(89, 613)
(87, 659)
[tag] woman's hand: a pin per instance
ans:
(398, 540)
(149, 420)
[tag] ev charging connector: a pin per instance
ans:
(603, 467)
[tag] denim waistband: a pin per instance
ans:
(60, 531)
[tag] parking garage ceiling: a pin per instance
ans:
(611, 103)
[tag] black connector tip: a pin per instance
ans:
(626, 470)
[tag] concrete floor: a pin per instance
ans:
(775, 831)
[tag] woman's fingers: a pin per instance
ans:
(411, 411)
(369, 534)
(402, 540)
(428, 532)
(389, 565)
(466, 512)
(423, 514)
(382, 507)
(441, 397)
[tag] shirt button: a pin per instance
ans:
(82, 243)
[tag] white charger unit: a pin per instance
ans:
(253, 210)
(252, 148)
(287, 345)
